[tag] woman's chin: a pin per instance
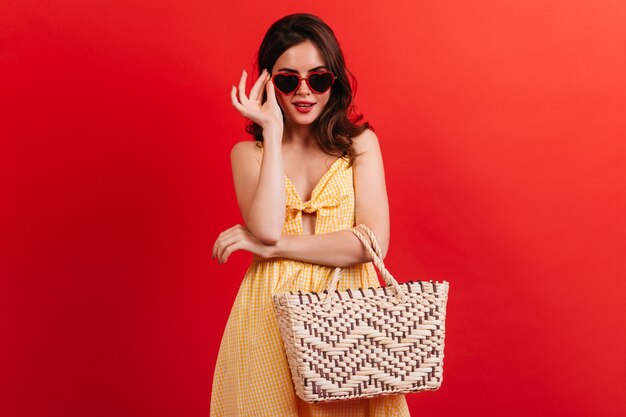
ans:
(301, 121)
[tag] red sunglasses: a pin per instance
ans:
(318, 81)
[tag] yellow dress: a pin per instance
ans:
(252, 376)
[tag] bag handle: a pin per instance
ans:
(375, 252)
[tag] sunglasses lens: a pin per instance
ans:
(286, 83)
(321, 82)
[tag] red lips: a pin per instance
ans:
(303, 109)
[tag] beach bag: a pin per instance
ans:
(364, 342)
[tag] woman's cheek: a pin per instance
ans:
(283, 105)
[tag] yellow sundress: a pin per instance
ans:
(252, 376)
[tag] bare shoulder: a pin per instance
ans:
(367, 144)
(244, 152)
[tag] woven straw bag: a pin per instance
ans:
(364, 342)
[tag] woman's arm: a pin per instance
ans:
(260, 191)
(343, 248)
(340, 248)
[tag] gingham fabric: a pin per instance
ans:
(252, 376)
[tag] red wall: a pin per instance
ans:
(502, 128)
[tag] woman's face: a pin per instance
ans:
(302, 59)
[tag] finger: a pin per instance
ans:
(227, 237)
(239, 244)
(230, 246)
(267, 81)
(236, 103)
(242, 87)
(254, 93)
(225, 234)
(216, 247)
(271, 92)
(233, 93)
(219, 249)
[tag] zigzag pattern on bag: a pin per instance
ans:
(394, 349)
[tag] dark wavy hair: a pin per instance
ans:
(335, 127)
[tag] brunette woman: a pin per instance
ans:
(310, 174)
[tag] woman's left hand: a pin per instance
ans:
(239, 237)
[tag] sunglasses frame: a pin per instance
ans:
(306, 80)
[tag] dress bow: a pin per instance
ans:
(311, 206)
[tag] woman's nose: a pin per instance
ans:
(303, 87)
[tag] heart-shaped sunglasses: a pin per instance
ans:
(318, 81)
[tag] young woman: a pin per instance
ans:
(309, 175)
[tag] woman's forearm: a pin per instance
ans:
(338, 249)
(267, 216)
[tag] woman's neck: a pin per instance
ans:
(299, 136)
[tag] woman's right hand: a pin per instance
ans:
(268, 115)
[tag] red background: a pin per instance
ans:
(502, 130)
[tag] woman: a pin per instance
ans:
(298, 204)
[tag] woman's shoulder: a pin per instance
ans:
(245, 150)
(365, 141)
